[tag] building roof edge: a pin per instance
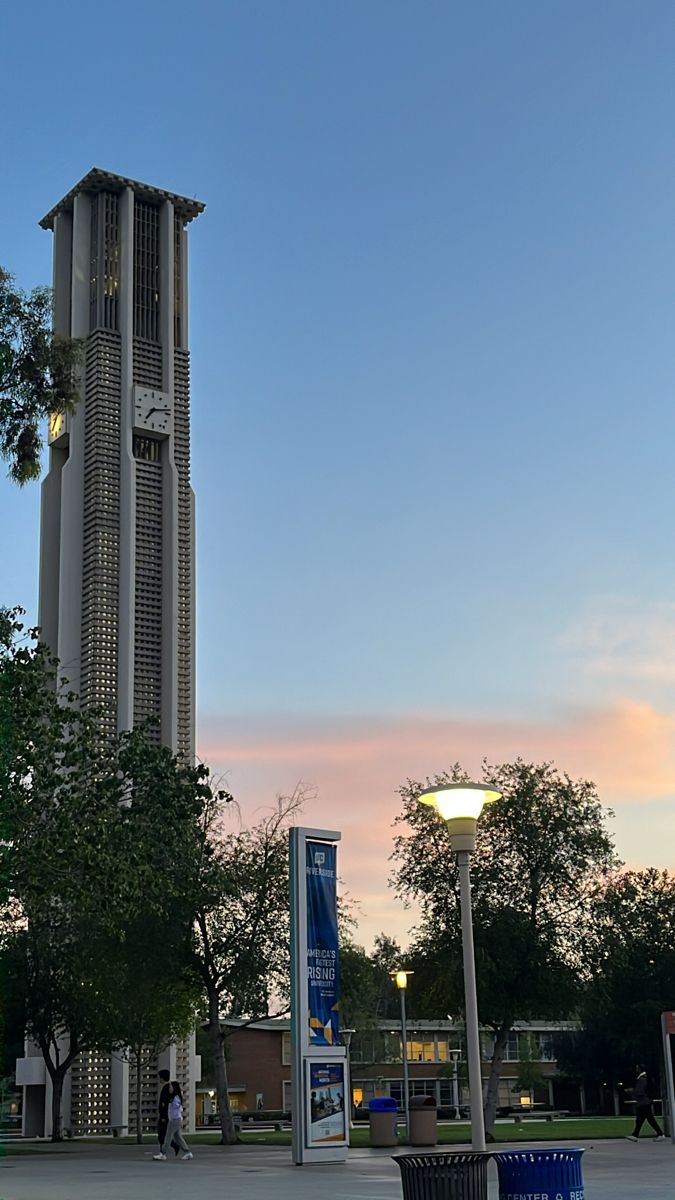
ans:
(97, 180)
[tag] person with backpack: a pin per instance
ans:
(174, 1129)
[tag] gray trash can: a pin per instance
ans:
(382, 1113)
(454, 1176)
(423, 1121)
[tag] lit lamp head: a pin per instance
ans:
(401, 978)
(460, 805)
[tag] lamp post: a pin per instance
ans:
(460, 805)
(455, 1083)
(401, 978)
(346, 1039)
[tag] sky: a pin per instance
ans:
(433, 366)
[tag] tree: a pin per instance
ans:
(156, 997)
(38, 371)
(367, 991)
(539, 852)
(632, 979)
(241, 948)
(98, 835)
(51, 805)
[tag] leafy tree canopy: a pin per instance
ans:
(540, 852)
(37, 374)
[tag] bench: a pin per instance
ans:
(534, 1115)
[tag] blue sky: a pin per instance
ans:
(432, 303)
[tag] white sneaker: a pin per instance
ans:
(186, 1156)
(660, 1137)
(630, 1137)
(159, 1157)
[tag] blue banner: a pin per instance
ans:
(323, 951)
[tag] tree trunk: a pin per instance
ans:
(57, 1073)
(139, 1122)
(229, 1136)
(492, 1092)
(57, 1093)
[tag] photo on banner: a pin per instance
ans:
(326, 1122)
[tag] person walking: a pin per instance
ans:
(163, 1116)
(174, 1131)
(643, 1107)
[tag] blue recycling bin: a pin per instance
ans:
(382, 1114)
(552, 1174)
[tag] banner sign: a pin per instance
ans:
(326, 1095)
(323, 952)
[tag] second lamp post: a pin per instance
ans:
(460, 804)
(401, 978)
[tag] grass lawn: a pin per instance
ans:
(583, 1129)
(450, 1134)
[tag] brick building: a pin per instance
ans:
(259, 1065)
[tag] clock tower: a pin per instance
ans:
(117, 532)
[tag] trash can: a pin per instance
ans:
(382, 1113)
(423, 1122)
(556, 1173)
(454, 1176)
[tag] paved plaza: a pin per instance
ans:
(612, 1171)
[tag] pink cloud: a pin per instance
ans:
(357, 764)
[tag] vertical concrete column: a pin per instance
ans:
(119, 1093)
(193, 572)
(125, 673)
(69, 644)
(195, 1061)
(170, 487)
(50, 507)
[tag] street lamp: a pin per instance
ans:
(455, 1054)
(460, 805)
(346, 1039)
(401, 978)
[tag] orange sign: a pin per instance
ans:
(669, 1021)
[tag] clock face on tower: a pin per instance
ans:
(153, 411)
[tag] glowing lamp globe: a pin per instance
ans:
(401, 978)
(460, 804)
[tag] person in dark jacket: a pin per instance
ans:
(163, 1115)
(643, 1106)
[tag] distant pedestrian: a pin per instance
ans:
(163, 1116)
(174, 1132)
(643, 1106)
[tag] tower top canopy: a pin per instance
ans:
(97, 180)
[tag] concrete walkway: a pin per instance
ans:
(612, 1171)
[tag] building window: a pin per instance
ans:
(286, 1048)
(178, 280)
(146, 271)
(545, 1045)
(511, 1048)
(146, 449)
(421, 1052)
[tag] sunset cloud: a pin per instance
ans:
(620, 638)
(356, 765)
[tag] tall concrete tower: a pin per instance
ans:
(117, 530)
(117, 535)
